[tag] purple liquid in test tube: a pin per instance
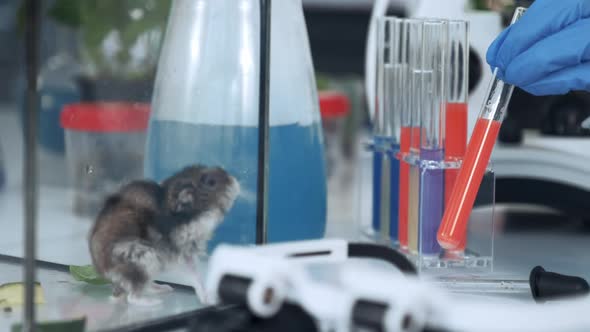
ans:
(431, 202)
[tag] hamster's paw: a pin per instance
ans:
(142, 301)
(205, 300)
(201, 294)
(118, 294)
(160, 288)
(116, 298)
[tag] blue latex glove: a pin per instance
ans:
(547, 51)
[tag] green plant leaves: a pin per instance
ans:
(96, 19)
(67, 12)
(87, 274)
(76, 325)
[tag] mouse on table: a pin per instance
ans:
(147, 227)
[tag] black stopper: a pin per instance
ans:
(233, 289)
(369, 315)
(550, 285)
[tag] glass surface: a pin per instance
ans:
(193, 67)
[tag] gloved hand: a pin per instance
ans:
(547, 51)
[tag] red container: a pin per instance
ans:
(105, 145)
(334, 107)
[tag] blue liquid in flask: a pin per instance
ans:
(297, 180)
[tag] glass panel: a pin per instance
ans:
(148, 151)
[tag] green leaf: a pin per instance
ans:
(479, 5)
(153, 18)
(75, 325)
(21, 17)
(87, 274)
(67, 12)
(322, 82)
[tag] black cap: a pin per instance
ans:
(549, 285)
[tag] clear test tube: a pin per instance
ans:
(434, 49)
(385, 168)
(453, 228)
(457, 98)
(415, 105)
(457, 102)
(378, 127)
(408, 33)
(394, 94)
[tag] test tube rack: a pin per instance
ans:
(477, 255)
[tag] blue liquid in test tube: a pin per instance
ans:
(386, 134)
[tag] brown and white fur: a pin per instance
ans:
(146, 227)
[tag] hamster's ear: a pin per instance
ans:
(193, 170)
(112, 200)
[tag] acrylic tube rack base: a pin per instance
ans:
(424, 199)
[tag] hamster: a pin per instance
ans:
(146, 227)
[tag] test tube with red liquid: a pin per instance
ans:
(457, 95)
(411, 31)
(434, 57)
(453, 229)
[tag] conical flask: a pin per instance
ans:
(205, 110)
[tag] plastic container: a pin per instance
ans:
(105, 145)
(334, 107)
(205, 110)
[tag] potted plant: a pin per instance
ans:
(118, 45)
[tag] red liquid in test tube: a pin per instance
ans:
(452, 232)
(404, 183)
(455, 145)
(453, 229)
(455, 142)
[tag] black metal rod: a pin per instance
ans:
(30, 163)
(263, 125)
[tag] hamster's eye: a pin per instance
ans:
(208, 180)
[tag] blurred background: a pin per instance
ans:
(541, 159)
(337, 34)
